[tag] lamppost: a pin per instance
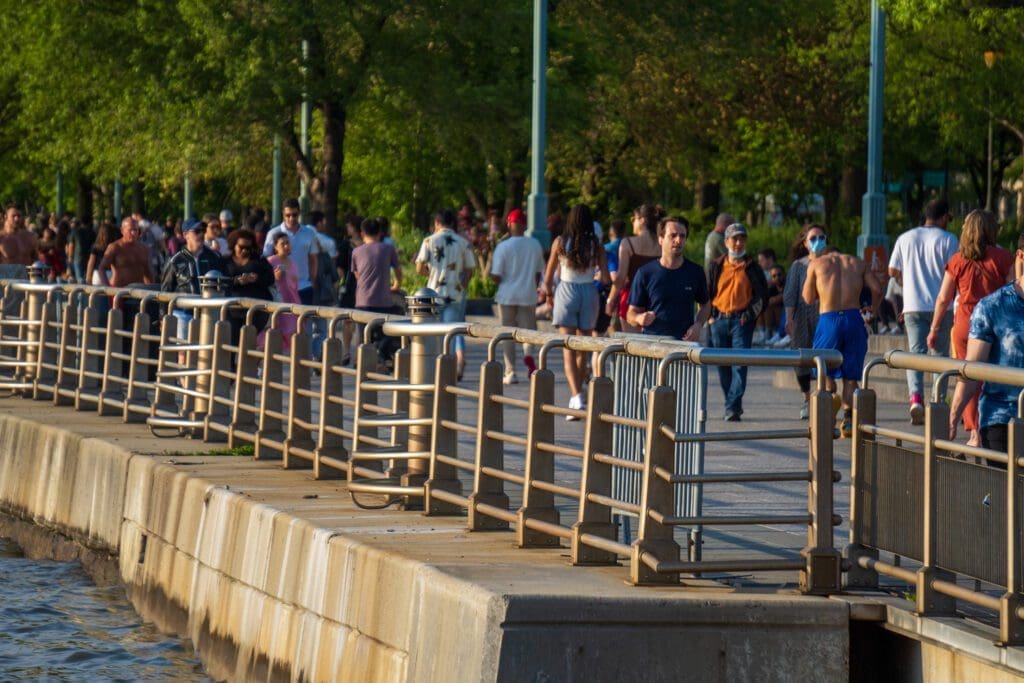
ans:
(873, 242)
(990, 56)
(537, 206)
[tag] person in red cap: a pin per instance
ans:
(515, 217)
(516, 267)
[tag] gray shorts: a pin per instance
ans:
(575, 305)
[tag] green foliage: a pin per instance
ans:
(419, 105)
(481, 287)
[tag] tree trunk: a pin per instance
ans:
(333, 160)
(83, 200)
(477, 200)
(514, 184)
(138, 197)
(852, 187)
(707, 196)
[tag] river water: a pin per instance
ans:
(56, 624)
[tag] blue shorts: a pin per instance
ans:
(575, 306)
(843, 331)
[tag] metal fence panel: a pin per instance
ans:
(633, 377)
(972, 520)
(971, 514)
(890, 499)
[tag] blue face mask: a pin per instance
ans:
(816, 245)
(737, 254)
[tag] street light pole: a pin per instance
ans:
(873, 237)
(188, 195)
(537, 207)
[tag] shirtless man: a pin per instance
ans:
(18, 245)
(836, 281)
(127, 258)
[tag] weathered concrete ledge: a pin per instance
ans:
(271, 582)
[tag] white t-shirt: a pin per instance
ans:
(517, 261)
(921, 255)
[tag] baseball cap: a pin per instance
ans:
(226, 215)
(735, 229)
(192, 224)
(516, 216)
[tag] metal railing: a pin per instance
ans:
(917, 496)
(400, 432)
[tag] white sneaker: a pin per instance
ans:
(575, 403)
(758, 339)
(783, 343)
(510, 379)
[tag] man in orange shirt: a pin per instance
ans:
(738, 293)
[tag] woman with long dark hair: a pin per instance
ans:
(251, 277)
(576, 254)
(108, 234)
(635, 252)
(978, 269)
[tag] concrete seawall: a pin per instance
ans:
(275, 576)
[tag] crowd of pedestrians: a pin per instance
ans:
(940, 291)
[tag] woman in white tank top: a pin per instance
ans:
(578, 255)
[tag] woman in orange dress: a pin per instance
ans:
(974, 272)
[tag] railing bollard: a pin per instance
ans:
(1011, 626)
(595, 518)
(51, 330)
(490, 452)
(300, 405)
(823, 567)
(92, 362)
(220, 384)
(445, 442)
(212, 285)
(538, 504)
(332, 387)
(139, 372)
(243, 421)
(422, 307)
(34, 301)
(271, 427)
(864, 413)
(655, 542)
(929, 601)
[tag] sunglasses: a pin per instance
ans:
(818, 238)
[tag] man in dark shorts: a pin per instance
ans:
(663, 293)
(837, 280)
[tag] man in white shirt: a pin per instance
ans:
(918, 263)
(516, 267)
(305, 247)
(447, 259)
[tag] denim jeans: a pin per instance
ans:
(918, 325)
(455, 312)
(728, 333)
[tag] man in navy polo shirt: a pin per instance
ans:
(664, 292)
